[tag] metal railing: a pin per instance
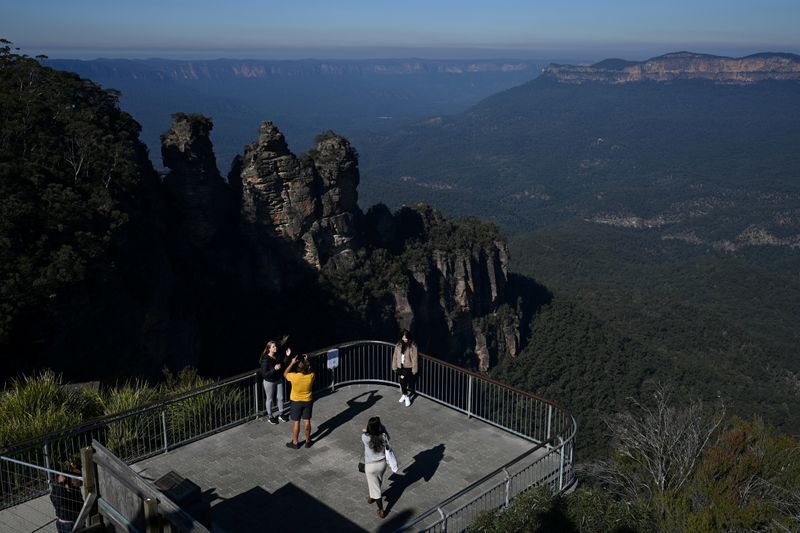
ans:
(164, 425)
(550, 428)
(133, 435)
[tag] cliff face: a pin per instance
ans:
(106, 258)
(450, 290)
(199, 196)
(466, 289)
(683, 66)
(305, 207)
(299, 224)
(221, 69)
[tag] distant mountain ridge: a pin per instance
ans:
(304, 96)
(683, 66)
(697, 160)
(218, 69)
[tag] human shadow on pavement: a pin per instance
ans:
(396, 520)
(423, 466)
(354, 408)
(288, 509)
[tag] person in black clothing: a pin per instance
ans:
(272, 367)
(65, 494)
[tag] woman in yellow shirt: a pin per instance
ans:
(302, 381)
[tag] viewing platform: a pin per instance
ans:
(466, 444)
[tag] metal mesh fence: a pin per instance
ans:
(40, 497)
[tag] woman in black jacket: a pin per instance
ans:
(272, 366)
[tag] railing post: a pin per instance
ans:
(469, 397)
(549, 419)
(46, 451)
(255, 398)
(561, 467)
(444, 519)
(164, 429)
(508, 486)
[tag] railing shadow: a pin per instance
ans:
(354, 408)
(423, 466)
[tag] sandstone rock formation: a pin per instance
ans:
(307, 204)
(200, 198)
(299, 222)
(683, 66)
(454, 298)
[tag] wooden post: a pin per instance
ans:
(151, 516)
(90, 486)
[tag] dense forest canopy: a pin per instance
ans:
(74, 183)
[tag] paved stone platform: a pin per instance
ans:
(255, 483)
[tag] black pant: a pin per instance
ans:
(406, 380)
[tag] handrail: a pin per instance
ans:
(102, 421)
(481, 376)
(473, 485)
(504, 406)
(459, 369)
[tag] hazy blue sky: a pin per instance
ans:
(376, 28)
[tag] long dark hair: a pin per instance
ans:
(375, 432)
(403, 344)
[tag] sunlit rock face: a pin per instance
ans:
(308, 204)
(683, 66)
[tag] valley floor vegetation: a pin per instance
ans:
(671, 469)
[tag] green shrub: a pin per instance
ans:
(588, 510)
(35, 405)
(133, 435)
(192, 416)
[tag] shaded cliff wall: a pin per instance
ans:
(283, 248)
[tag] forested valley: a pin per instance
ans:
(623, 326)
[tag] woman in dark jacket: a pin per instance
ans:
(272, 366)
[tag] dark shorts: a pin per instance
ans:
(301, 410)
(64, 527)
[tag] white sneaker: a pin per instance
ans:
(402, 398)
(407, 400)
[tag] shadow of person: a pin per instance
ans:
(423, 466)
(395, 521)
(354, 407)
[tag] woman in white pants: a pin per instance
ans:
(375, 440)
